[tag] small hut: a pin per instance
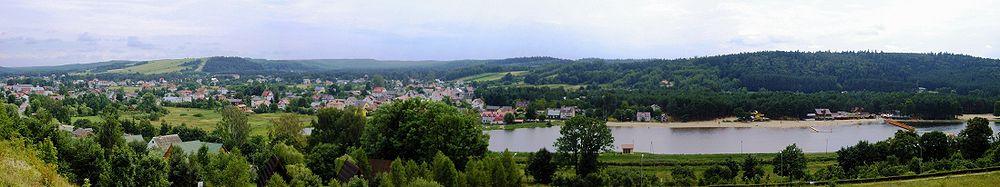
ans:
(627, 148)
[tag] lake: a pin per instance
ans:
(664, 140)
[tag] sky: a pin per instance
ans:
(38, 33)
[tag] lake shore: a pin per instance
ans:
(729, 122)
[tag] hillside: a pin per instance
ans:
(161, 66)
(777, 71)
(769, 70)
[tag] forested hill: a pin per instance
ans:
(776, 71)
(770, 70)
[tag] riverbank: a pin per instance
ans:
(729, 122)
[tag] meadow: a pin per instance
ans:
(207, 119)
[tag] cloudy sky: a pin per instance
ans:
(62, 32)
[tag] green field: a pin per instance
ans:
(977, 179)
(259, 123)
(491, 76)
(155, 67)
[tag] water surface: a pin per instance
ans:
(664, 140)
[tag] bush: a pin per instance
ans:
(199, 115)
(683, 176)
(618, 177)
(541, 166)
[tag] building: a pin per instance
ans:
(552, 113)
(489, 117)
(191, 147)
(822, 114)
(627, 148)
(643, 116)
(567, 112)
(163, 142)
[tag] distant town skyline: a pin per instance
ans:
(42, 33)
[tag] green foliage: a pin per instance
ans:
(322, 160)
(277, 181)
(683, 176)
(124, 167)
(443, 170)
(752, 169)
(182, 171)
(22, 167)
(233, 128)
(582, 139)
(109, 134)
(495, 170)
(339, 126)
(932, 106)
(229, 169)
(715, 175)
(830, 172)
(935, 145)
(541, 166)
(621, 177)
(905, 145)
(790, 162)
(860, 154)
(288, 154)
(417, 129)
(287, 129)
(301, 176)
(996, 108)
(975, 138)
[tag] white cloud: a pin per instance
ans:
(58, 32)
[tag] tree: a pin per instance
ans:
(181, 172)
(301, 176)
(322, 160)
(343, 127)
(109, 135)
(905, 145)
(233, 128)
(715, 175)
(443, 170)
(752, 170)
(935, 145)
(684, 176)
(417, 129)
(996, 108)
(582, 139)
(148, 104)
(932, 106)
(974, 140)
(229, 169)
(287, 129)
(508, 119)
(790, 162)
(541, 166)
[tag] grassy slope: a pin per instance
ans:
(978, 179)
(155, 67)
(21, 166)
(259, 123)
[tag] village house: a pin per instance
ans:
(163, 142)
(553, 113)
(488, 117)
(643, 117)
(567, 112)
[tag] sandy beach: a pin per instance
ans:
(720, 123)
